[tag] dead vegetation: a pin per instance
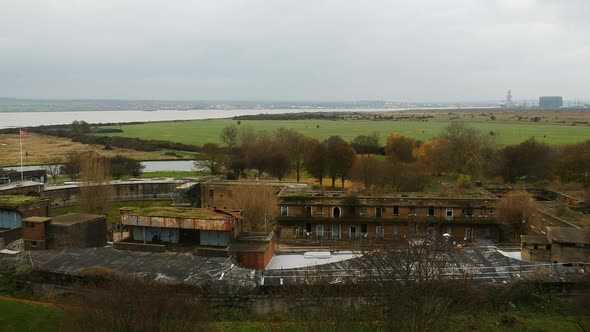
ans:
(43, 149)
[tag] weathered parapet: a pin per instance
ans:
(147, 247)
(29, 188)
(124, 190)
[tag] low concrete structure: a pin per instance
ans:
(173, 225)
(569, 244)
(28, 188)
(535, 248)
(73, 230)
(254, 250)
(559, 245)
(13, 208)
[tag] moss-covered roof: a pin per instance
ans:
(174, 212)
(16, 200)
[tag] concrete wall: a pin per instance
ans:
(65, 195)
(257, 260)
(536, 255)
(566, 253)
(9, 235)
(148, 247)
(223, 195)
(87, 234)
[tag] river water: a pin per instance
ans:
(150, 166)
(30, 119)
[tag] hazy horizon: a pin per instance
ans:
(427, 51)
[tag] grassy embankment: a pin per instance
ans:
(202, 131)
(21, 316)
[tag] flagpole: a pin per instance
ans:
(20, 136)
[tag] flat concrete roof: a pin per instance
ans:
(74, 218)
(37, 219)
(568, 235)
(534, 239)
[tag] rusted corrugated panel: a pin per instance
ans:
(164, 222)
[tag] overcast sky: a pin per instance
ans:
(412, 50)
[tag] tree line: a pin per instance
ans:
(118, 166)
(407, 163)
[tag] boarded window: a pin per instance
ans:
(379, 212)
(319, 210)
(319, 231)
(379, 231)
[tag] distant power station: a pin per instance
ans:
(548, 102)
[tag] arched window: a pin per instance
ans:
(336, 212)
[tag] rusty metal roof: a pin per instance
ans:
(182, 218)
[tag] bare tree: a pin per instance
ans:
(317, 163)
(317, 303)
(213, 158)
(73, 164)
(278, 164)
(229, 135)
(466, 149)
(408, 277)
(132, 305)
(366, 171)
(96, 191)
(515, 210)
(340, 158)
(258, 205)
(297, 147)
(54, 168)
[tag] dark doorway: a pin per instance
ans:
(336, 212)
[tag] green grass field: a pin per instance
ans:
(24, 317)
(16, 316)
(202, 131)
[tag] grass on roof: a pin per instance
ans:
(173, 212)
(16, 200)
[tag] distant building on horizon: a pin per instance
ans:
(549, 102)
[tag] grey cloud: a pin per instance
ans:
(301, 50)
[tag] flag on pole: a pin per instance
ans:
(24, 132)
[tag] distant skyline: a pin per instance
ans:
(254, 50)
